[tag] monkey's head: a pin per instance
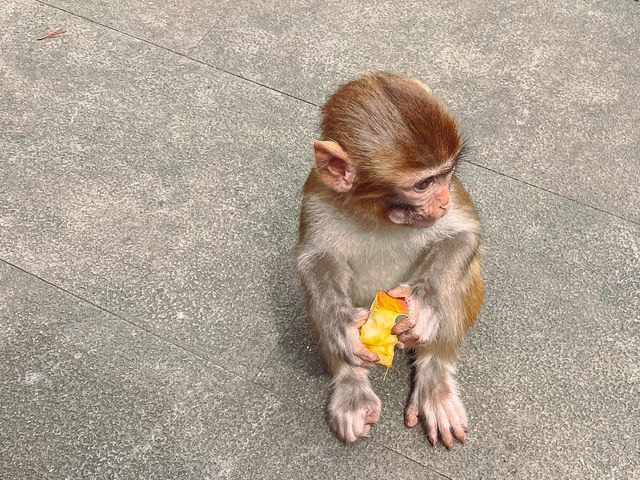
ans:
(389, 150)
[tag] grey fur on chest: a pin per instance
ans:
(382, 263)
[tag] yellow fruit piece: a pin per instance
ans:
(375, 334)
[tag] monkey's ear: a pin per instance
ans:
(334, 165)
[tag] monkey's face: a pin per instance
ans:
(422, 198)
(388, 150)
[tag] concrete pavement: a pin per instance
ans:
(151, 325)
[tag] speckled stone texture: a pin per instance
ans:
(151, 325)
(554, 85)
(141, 180)
(88, 395)
(549, 375)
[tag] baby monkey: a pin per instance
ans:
(384, 210)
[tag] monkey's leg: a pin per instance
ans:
(435, 399)
(354, 406)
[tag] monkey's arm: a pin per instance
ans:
(444, 292)
(325, 281)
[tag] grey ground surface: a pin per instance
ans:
(151, 160)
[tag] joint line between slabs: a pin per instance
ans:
(431, 469)
(578, 202)
(241, 77)
(183, 55)
(105, 310)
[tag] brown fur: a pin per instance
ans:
(474, 296)
(474, 293)
(389, 131)
(393, 119)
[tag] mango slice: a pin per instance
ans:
(375, 334)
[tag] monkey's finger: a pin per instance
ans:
(408, 340)
(361, 362)
(365, 364)
(366, 354)
(408, 337)
(358, 426)
(400, 345)
(402, 327)
(401, 291)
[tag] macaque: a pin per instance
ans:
(384, 210)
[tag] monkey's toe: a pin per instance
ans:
(444, 419)
(350, 426)
(372, 415)
(351, 414)
(411, 415)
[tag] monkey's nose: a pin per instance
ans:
(444, 206)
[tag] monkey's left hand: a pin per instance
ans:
(421, 324)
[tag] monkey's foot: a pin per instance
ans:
(441, 413)
(353, 408)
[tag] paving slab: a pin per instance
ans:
(167, 193)
(178, 26)
(550, 373)
(544, 89)
(86, 395)
(154, 186)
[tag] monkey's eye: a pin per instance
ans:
(422, 185)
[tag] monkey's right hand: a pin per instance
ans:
(421, 324)
(360, 355)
